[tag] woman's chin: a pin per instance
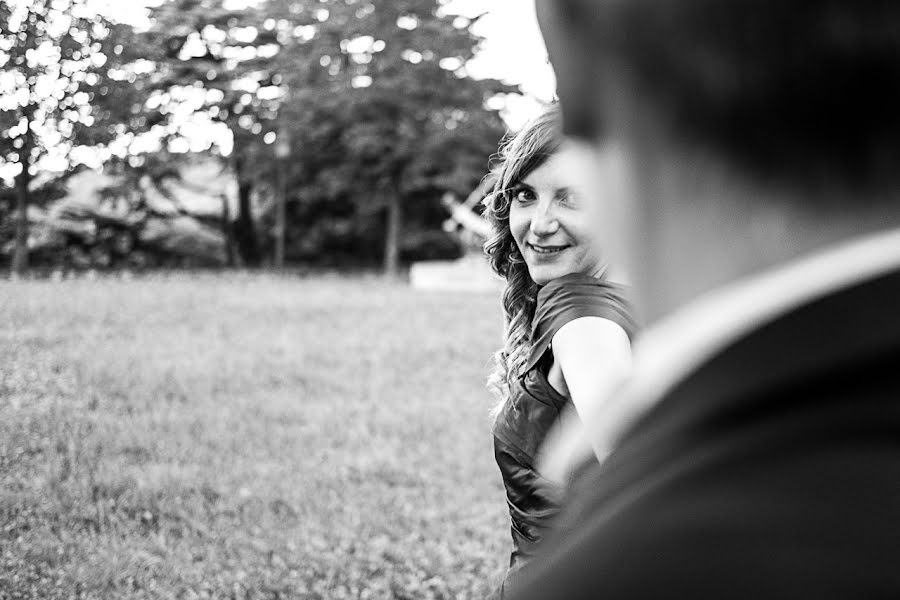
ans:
(545, 273)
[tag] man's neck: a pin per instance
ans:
(708, 230)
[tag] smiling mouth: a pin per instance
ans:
(544, 250)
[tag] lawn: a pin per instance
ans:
(246, 436)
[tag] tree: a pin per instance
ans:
(62, 103)
(219, 60)
(381, 109)
(374, 96)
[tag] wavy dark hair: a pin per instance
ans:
(520, 154)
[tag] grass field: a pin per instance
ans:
(246, 436)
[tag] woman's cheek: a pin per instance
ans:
(518, 225)
(577, 227)
(593, 225)
(585, 236)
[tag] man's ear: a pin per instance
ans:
(575, 62)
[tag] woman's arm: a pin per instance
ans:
(594, 355)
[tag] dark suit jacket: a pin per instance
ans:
(771, 471)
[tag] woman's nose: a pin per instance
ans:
(543, 221)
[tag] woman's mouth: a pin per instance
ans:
(545, 250)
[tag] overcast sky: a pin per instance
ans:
(513, 50)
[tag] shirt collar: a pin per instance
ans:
(677, 345)
(669, 352)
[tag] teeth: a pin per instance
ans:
(539, 250)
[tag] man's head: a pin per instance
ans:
(730, 125)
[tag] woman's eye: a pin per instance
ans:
(569, 199)
(523, 196)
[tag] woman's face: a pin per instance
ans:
(555, 228)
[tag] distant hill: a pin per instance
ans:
(100, 223)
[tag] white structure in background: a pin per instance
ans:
(471, 273)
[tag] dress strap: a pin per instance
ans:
(571, 297)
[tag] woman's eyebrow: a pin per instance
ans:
(521, 185)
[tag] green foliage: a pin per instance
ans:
(372, 95)
(369, 97)
(223, 53)
(222, 57)
(378, 113)
(64, 72)
(63, 67)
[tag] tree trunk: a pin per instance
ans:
(244, 227)
(20, 253)
(393, 233)
(227, 233)
(280, 216)
(23, 196)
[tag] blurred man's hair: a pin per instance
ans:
(795, 90)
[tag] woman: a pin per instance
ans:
(568, 328)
